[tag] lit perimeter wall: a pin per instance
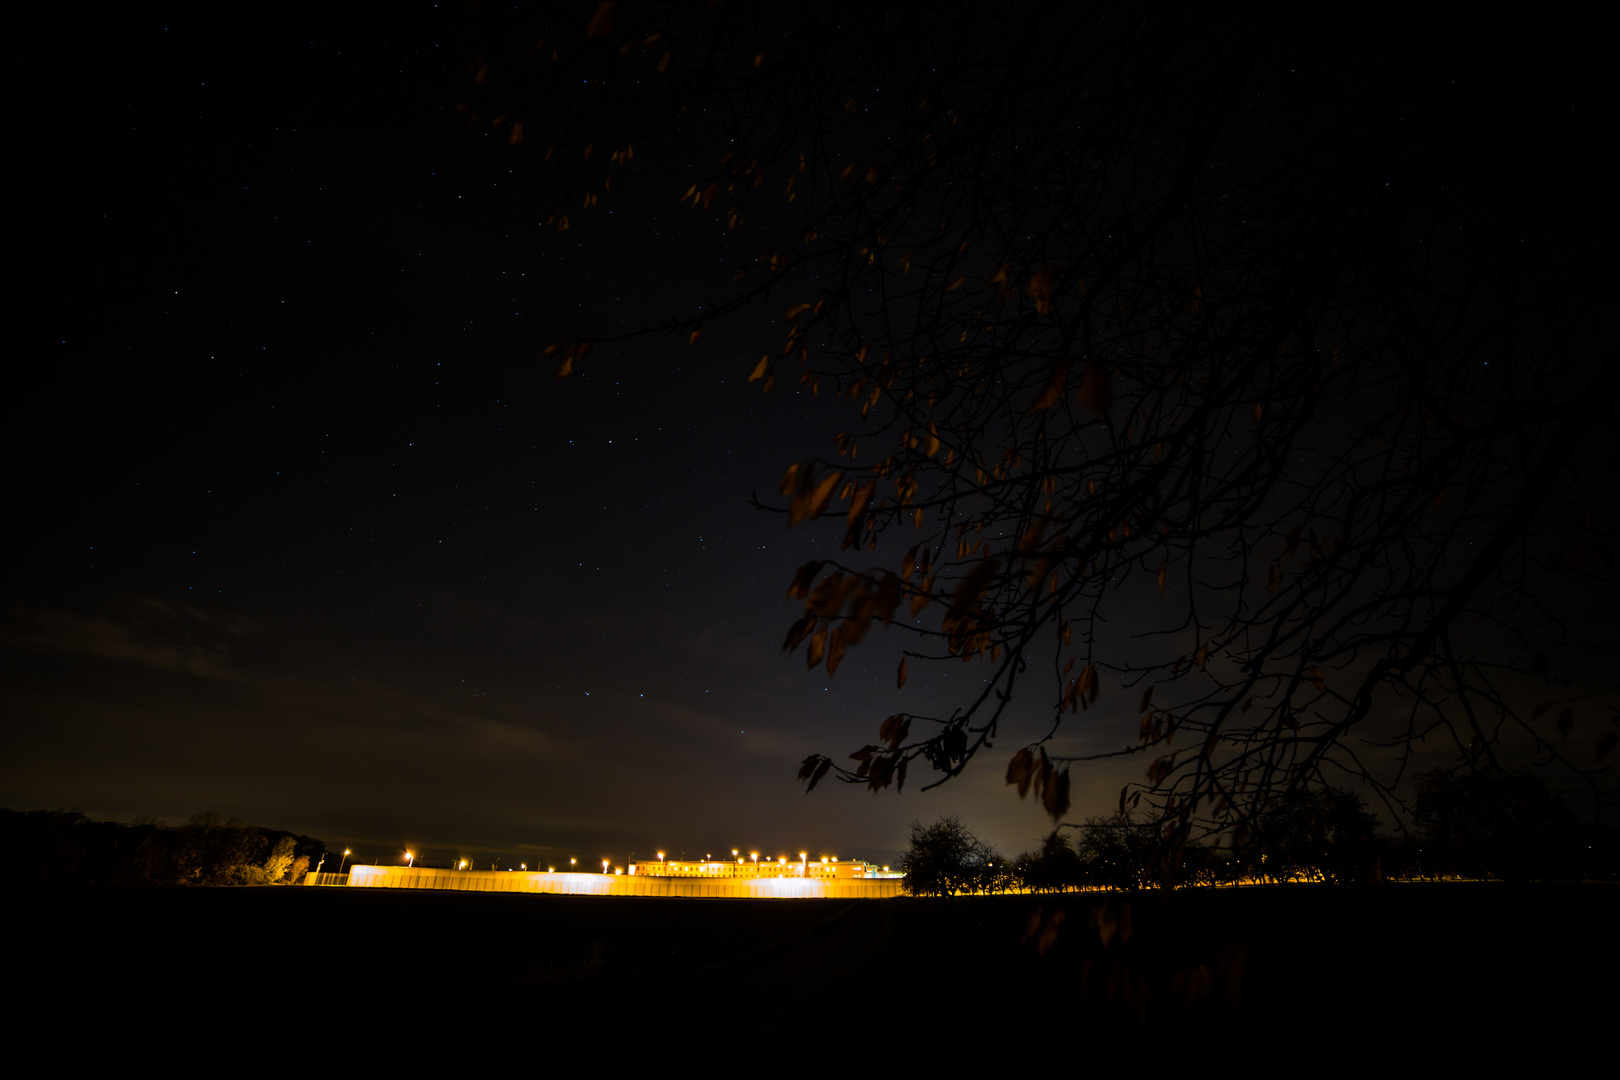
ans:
(412, 877)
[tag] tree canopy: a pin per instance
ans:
(1253, 365)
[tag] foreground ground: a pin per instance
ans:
(1473, 964)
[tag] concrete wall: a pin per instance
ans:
(411, 877)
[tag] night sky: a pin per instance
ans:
(305, 531)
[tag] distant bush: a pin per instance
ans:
(63, 848)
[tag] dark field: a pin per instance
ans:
(1489, 964)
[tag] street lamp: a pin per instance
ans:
(604, 866)
(410, 858)
(573, 861)
(345, 859)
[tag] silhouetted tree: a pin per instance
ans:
(1502, 824)
(1319, 835)
(944, 859)
(1053, 867)
(1250, 359)
(65, 848)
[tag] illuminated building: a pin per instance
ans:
(824, 868)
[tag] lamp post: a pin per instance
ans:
(604, 865)
(345, 859)
(410, 858)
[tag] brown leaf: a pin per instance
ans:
(760, 369)
(1020, 771)
(835, 648)
(973, 586)
(794, 312)
(900, 676)
(858, 504)
(1147, 700)
(895, 729)
(815, 777)
(811, 500)
(1055, 799)
(1039, 289)
(804, 578)
(1162, 567)
(1317, 680)
(796, 633)
(1052, 392)
(817, 650)
(601, 23)
(1096, 388)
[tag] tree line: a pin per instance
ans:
(64, 848)
(1503, 826)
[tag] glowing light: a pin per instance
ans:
(410, 858)
(604, 866)
(571, 862)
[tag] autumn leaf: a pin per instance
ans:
(1147, 700)
(1052, 392)
(601, 23)
(1055, 799)
(957, 284)
(794, 312)
(804, 578)
(796, 633)
(836, 641)
(900, 675)
(858, 504)
(760, 369)
(1096, 389)
(895, 729)
(1039, 289)
(1162, 567)
(816, 650)
(1020, 771)
(811, 500)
